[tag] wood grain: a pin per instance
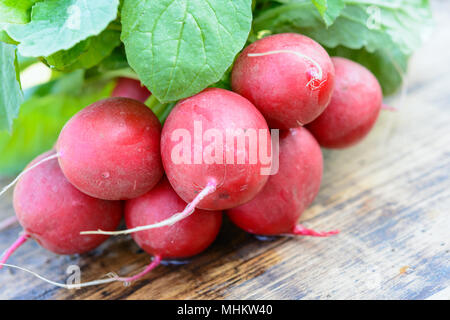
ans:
(389, 196)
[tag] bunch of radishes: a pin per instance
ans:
(111, 157)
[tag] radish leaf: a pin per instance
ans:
(179, 47)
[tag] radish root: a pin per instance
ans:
(388, 108)
(316, 75)
(300, 230)
(8, 222)
(156, 262)
(6, 188)
(111, 277)
(57, 284)
(190, 208)
(20, 241)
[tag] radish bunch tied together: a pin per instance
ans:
(253, 153)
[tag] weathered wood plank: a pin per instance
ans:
(390, 196)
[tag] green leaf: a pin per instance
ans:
(68, 83)
(329, 9)
(11, 95)
(179, 47)
(4, 37)
(13, 12)
(60, 24)
(115, 61)
(87, 53)
(25, 62)
(62, 59)
(225, 81)
(365, 23)
(40, 120)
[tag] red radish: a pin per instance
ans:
(277, 208)
(111, 149)
(185, 239)
(130, 88)
(53, 212)
(219, 110)
(181, 240)
(223, 182)
(288, 77)
(354, 106)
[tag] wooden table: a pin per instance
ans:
(389, 196)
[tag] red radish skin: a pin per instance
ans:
(111, 149)
(53, 212)
(130, 88)
(288, 77)
(277, 208)
(183, 239)
(354, 106)
(234, 183)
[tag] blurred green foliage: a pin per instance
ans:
(46, 109)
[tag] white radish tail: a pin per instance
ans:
(6, 188)
(190, 208)
(111, 277)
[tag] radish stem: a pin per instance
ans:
(21, 240)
